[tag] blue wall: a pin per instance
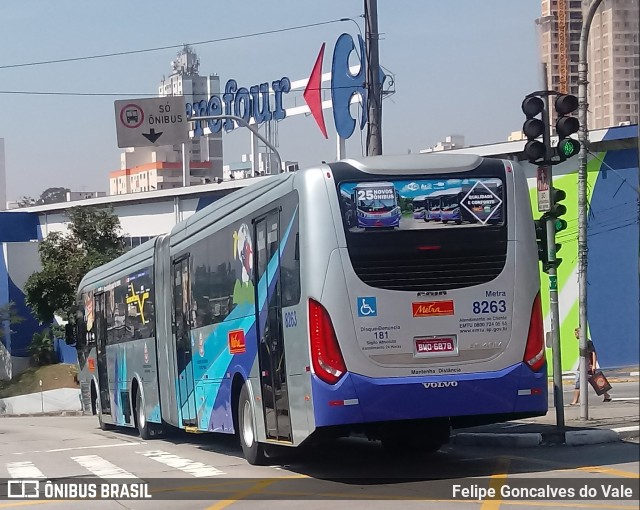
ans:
(16, 227)
(613, 234)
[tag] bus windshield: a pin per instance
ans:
(376, 205)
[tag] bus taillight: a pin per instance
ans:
(534, 351)
(326, 357)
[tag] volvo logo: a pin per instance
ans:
(442, 384)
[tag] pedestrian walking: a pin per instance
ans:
(592, 360)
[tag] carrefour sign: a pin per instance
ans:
(264, 101)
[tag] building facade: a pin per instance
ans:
(158, 175)
(614, 64)
(449, 143)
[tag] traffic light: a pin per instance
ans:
(533, 127)
(543, 245)
(541, 239)
(557, 209)
(566, 125)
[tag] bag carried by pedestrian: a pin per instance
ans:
(599, 382)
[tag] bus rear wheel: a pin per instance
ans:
(141, 419)
(252, 450)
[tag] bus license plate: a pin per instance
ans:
(436, 346)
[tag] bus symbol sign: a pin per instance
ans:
(237, 343)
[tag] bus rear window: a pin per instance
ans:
(422, 204)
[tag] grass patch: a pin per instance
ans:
(53, 377)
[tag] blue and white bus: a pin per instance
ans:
(268, 315)
(376, 205)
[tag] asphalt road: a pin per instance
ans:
(353, 470)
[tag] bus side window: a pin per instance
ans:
(290, 273)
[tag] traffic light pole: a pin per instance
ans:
(558, 397)
(582, 204)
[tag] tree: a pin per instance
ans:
(48, 196)
(53, 195)
(8, 313)
(94, 239)
(41, 349)
(27, 201)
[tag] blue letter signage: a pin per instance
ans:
(252, 103)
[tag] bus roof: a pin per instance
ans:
(121, 265)
(375, 185)
(415, 163)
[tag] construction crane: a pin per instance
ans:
(562, 47)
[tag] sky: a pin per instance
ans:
(460, 67)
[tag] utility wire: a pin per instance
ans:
(147, 94)
(172, 46)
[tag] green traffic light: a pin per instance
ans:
(568, 147)
(559, 225)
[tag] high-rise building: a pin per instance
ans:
(185, 81)
(614, 64)
(560, 27)
(612, 57)
(158, 168)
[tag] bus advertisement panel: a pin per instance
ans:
(403, 203)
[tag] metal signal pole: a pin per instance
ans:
(558, 397)
(582, 203)
(374, 92)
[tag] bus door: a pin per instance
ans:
(182, 330)
(101, 351)
(271, 355)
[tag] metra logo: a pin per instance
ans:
(442, 384)
(237, 344)
(432, 308)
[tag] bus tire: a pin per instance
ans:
(141, 420)
(252, 450)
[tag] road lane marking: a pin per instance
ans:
(197, 469)
(80, 448)
(609, 471)
(24, 470)
(495, 482)
(101, 467)
(254, 489)
(559, 467)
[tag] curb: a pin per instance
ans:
(50, 413)
(524, 440)
(533, 439)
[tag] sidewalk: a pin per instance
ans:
(610, 422)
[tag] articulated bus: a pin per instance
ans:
(268, 315)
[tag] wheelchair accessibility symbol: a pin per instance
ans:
(367, 307)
